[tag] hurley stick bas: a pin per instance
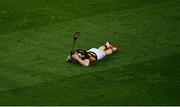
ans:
(75, 37)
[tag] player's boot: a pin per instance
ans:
(114, 49)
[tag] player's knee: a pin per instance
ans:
(102, 48)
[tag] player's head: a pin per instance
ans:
(80, 52)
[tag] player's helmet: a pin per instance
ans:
(81, 51)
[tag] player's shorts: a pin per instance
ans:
(100, 54)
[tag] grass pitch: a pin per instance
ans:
(36, 37)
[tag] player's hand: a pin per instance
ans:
(68, 59)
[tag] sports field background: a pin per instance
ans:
(36, 37)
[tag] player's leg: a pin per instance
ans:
(108, 48)
(109, 51)
(102, 48)
(105, 46)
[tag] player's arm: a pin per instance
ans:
(85, 62)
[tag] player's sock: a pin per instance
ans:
(109, 45)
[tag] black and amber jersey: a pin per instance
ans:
(87, 55)
(92, 56)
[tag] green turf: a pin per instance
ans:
(36, 37)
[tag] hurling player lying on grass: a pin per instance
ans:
(86, 57)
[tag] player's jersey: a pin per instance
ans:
(92, 56)
(87, 55)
